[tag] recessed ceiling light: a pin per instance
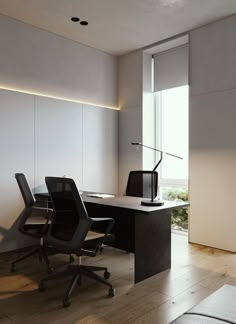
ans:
(84, 23)
(75, 19)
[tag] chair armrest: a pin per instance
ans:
(39, 200)
(100, 219)
(110, 222)
(48, 218)
(42, 209)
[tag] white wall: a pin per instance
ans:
(212, 134)
(100, 149)
(16, 147)
(149, 114)
(41, 136)
(130, 116)
(212, 130)
(136, 118)
(58, 140)
(40, 62)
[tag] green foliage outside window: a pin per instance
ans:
(179, 217)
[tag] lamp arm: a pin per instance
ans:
(154, 149)
(153, 172)
(158, 163)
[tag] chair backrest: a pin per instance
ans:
(70, 223)
(139, 184)
(25, 190)
(29, 201)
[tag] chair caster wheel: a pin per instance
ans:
(41, 286)
(66, 302)
(13, 269)
(107, 274)
(111, 292)
(101, 250)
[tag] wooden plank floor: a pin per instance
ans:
(196, 272)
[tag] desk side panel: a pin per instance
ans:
(152, 243)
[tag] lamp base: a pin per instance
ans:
(151, 203)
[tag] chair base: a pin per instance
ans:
(41, 251)
(77, 272)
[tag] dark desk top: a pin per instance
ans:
(133, 203)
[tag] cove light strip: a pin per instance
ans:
(59, 98)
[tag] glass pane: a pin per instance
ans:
(179, 216)
(174, 132)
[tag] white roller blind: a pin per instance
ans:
(171, 68)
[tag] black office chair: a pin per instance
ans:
(33, 225)
(70, 230)
(140, 183)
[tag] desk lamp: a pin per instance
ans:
(154, 202)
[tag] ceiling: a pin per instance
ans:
(118, 26)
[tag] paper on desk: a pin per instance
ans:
(97, 195)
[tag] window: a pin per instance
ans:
(172, 135)
(171, 93)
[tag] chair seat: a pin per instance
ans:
(93, 235)
(36, 220)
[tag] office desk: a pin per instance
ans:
(144, 231)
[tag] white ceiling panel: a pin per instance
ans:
(118, 26)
